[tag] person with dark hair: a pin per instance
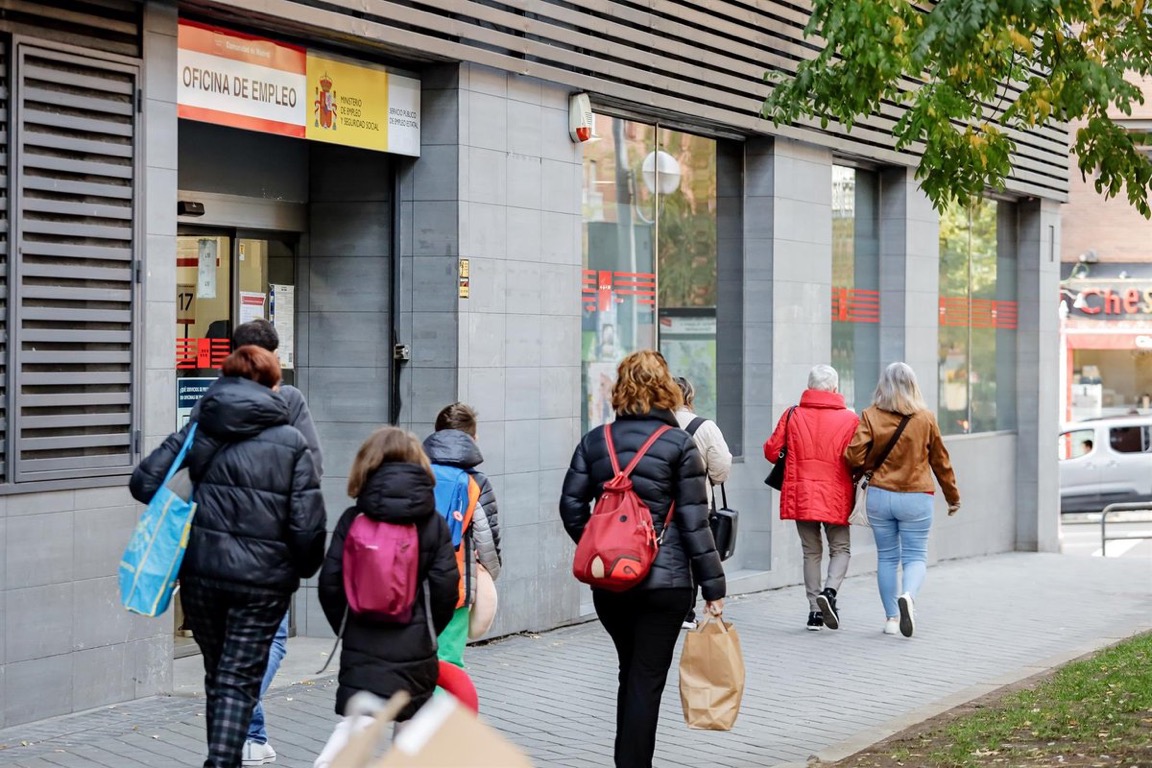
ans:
(259, 529)
(644, 621)
(261, 333)
(713, 449)
(453, 444)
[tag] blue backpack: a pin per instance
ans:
(457, 494)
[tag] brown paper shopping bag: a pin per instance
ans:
(711, 675)
(444, 734)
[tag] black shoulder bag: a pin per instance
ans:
(775, 478)
(723, 521)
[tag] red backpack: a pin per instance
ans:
(381, 562)
(619, 542)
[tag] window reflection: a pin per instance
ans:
(856, 283)
(977, 328)
(649, 255)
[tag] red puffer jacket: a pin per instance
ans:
(817, 485)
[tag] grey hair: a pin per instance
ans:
(687, 390)
(898, 392)
(823, 377)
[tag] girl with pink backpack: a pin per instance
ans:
(389, 583)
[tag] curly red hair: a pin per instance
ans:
(644, 383)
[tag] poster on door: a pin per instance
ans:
(251, 306)
(282, 309)
(206, 269)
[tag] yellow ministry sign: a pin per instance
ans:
(348, 103)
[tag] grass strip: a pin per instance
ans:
(1095, 711)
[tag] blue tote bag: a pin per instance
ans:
(152, 560)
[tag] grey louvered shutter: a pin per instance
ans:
(74, 152)
(3, 260)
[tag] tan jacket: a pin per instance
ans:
(919, 448)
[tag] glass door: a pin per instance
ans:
(225, 278)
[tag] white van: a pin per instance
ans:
(1103, 461)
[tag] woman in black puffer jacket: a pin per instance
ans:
(259, 528)
(392, 482)
(645, 621)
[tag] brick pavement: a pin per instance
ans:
(981, 620)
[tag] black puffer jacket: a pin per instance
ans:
(260, 520)
(672, 470)
(385, 658)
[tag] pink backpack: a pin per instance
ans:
(381, 563)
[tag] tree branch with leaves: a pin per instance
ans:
(948, 66)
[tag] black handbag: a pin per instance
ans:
(724, 524)
(775, 478)
(722, 521)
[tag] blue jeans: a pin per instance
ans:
(256, 730)
(900, 523)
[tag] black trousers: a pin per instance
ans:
(644, 626)
(234, 631)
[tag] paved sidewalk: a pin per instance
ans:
(981, 622)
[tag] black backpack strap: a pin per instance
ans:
(694, 425)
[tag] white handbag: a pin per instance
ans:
(859, 514)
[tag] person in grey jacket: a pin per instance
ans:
(713, 449)
(454, 444)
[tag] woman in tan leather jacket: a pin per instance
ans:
(900, 494)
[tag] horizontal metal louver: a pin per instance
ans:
(102, 25)
(75, 126)
(700, 58)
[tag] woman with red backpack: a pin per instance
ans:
(387, 602)
(644, 620)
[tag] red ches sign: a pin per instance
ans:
(1114, 302)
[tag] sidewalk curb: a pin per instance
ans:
(871, 736)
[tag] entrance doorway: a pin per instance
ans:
(226, 277)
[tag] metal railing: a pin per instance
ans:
(1130, 507)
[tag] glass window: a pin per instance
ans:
(1129, 439)
(1076, 444)
(650, 256)
(223, 281)
(856, 283)
(977, 329)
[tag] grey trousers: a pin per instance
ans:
(839, 550)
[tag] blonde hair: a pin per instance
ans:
(385, 445)
(643, 384)
(898, 392)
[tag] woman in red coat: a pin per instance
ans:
(817, 488)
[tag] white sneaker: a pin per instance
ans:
(256, 753)
(907, 619)
(688, 625)
(892, 627)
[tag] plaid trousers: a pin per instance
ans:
(234, 631)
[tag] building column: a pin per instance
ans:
(909, 278)
(1038, 377)
(787, 309)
